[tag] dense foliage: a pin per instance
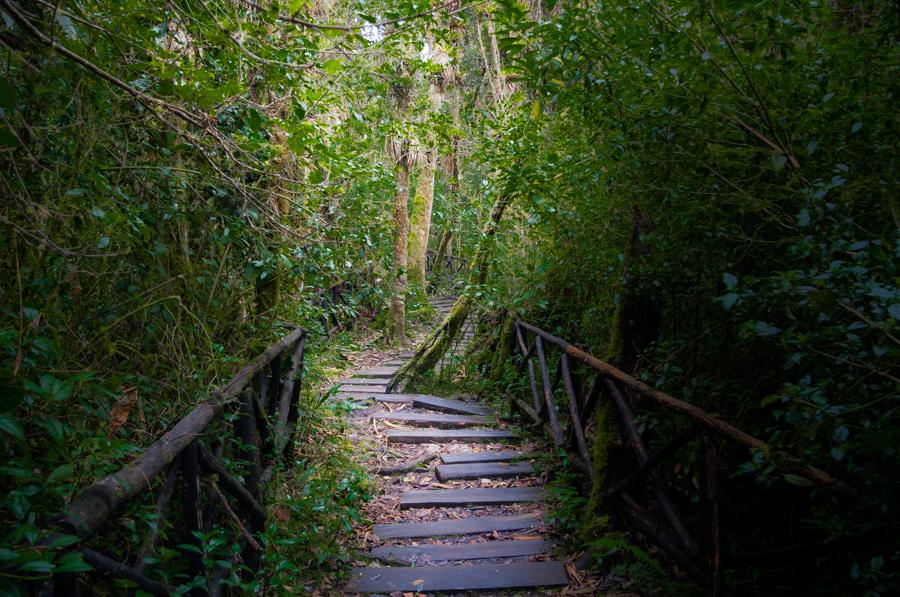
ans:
(712, 201)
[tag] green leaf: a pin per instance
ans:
(72, 562)
(39, 566)
(7, 138)
(63, 471)
(730, 280)
(798, 480)
(332, 66)
(11, 427)
(103, 242)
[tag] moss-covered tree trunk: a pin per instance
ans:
(438, 266)
(397, 328)
(420, 219)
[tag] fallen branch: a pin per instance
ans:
(407, 466)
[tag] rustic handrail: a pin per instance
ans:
(263, 444)
(701, 557)
(452, 265)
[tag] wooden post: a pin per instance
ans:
(709, 503)
(555, 429)
(573, 413)
(274, 386)
(190, 470)
(245, 426)
(531, 380)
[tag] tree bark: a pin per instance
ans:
(420, 220)
(401, 219)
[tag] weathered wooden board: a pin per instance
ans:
(474, 525)
(382, 371)
(487, 456)
(457, 578)
(363, 381)
(367, 389)
(430, 419)
(481, 496)
(483, 550)
(436, 436)
(484, 470)
(439, 404)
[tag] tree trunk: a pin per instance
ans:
(401, 219)
(420, 220)
(445, 334)
(439, 255)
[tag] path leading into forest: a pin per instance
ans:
(461, 503)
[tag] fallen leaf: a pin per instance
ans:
(118, 415)
(282, 514)
(526, 537)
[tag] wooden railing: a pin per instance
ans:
(264, 403)
(699, 554)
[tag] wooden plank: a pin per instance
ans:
(437, 403)
(486, 456)
(475, 525)
(363, 381)
(484, 470)
(457, 578)
(430, 419)
(482, 550)
(439, 498)
(436, 436)
(382, 371)
(367, 389)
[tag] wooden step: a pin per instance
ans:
(382, 371)
(437, 403)
(475, 525)
(363, 381)
(448, 498)
(395, 363)
(430, 419)
(514, 575)
(483, 550)
(487, 456)
(436, 436)
(488, 470)
(363, 389)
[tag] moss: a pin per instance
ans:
(604, 434)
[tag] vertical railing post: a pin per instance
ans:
(709, 503)
(190, 469)
(274, 385)
(555, 429)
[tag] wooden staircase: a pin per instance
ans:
(452, 538)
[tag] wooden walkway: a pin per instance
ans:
(474, 522)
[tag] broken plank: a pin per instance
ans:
(484, 470)
(439, 552)
(435, 436)
(474, 525)
(439, 498)
(439, 404)
(431, 419)
(486, 456)
(457, 578)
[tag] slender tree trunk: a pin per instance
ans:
(420, 220)
(438, 265)
(401, 220)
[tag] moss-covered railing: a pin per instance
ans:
(700, 553)
(220, 476)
